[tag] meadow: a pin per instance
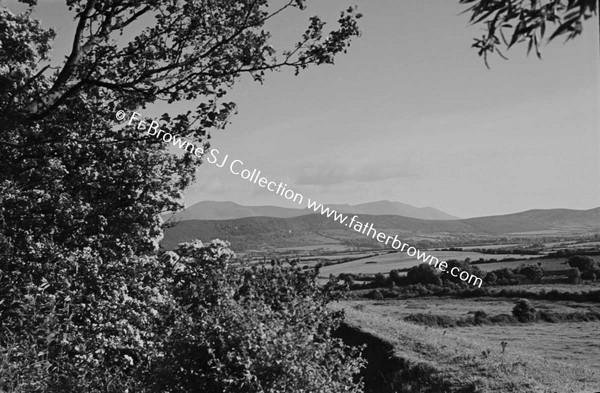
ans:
(386, 262)
(546, 264)
(538, 357)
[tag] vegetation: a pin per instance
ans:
(469, 360)
(509, 22)
(86, 301)
(524, 311)
(185, 321)
(460, 291)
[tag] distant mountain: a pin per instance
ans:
(212, 210)
(381, 208)
(315, 229)
(539, 221)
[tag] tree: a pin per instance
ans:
(509, 22)
(81, 195)
(63, 158)
(462, 266)
(533, 272)
(423, 274)
(584, 263)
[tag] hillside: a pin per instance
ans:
(261, 232)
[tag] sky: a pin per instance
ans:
(411, 114)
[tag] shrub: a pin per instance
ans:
(589, 275)
(533, 272)
(490, 278)
(432, 320)
(263, 329)
(183, 321)
(423, 274)
(503, 319)
(583, 263)
(480, 317)
(375, 294)
(524, 311)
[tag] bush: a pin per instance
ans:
(589, 275)
(533, 272)
(503, 319)
(583, 263)
(375, 294)
(432, 320)
(524, 311)
(182, 321)
(480, 317)
(423, 274)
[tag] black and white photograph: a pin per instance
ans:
(299, 196)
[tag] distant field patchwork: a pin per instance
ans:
(387, 262)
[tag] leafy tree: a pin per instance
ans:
(81, 196)
(423, 274)
(462, 266)
(584, 263)
(532, 272)
(68, 174)
(490, 278)
(509, 22)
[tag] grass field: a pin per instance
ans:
(397, 260)
(585, 287)
(549, 264)
(461, 307)
(542, 357)
(573, 342)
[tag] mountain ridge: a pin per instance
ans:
(316, 229)
(228, 210)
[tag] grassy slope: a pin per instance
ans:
(461, 361)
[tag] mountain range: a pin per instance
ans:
(315, 229)
(213, 210)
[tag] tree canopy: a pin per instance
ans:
(87, 302)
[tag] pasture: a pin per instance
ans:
(462, 307)
(539, 357)
(386, 262)
(545, 264)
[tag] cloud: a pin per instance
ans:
(328, 173)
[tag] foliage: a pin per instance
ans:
(463, 266)
(584, 263)
(70, 178)
(86, 304)
(481, 318)
(263, 329)
(524, 311)
(509, 22)
(186, 320)
(423, 274)
(533, 272)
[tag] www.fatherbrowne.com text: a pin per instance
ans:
(236, 167)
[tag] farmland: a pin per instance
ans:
(549, 264)
(545, 357)
(386, 262)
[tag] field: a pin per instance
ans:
(539, 357)
(573, 343)
(461, 307)
(387, 262)
(547, 264)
